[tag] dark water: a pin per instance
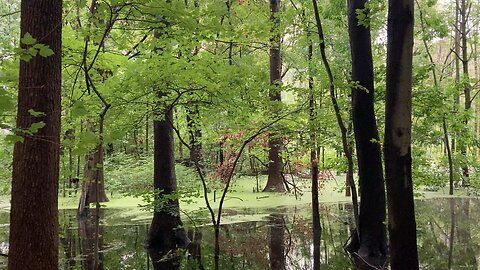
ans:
(448, 238)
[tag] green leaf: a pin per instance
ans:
(35, 127)
(28, 39)
(32, 51)
(35, 113)
(6, 103)
(12, 139)
(88, 137)
(26, 57)
(45, 51)
(78, 109)
(19, 51)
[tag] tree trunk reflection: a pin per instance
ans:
(91, 238)
(277, 241)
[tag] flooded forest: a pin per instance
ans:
(239, 134)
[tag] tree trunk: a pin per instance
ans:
(93, 186)
(147, 130)
(397, 143)
(34, 215)
(466, 84)
(449, 156)
(94, 176)
(372, 244)
(316, 226)
(164, 233)
(275, 179)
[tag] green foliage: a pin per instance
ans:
(373, 10)
(129, 175)
(5, 167)
(32, 48)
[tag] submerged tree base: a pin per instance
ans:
(367, 258)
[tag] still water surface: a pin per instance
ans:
(448, 238)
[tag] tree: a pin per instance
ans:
(316, 226)
(164, 232)
(34, 215)
(397, 143)
(93, 188)
(347, 149)
(275, 179)
(437, 88)
(370, 243)
(463, 9)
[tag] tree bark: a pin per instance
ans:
(316, 226)
(147, 130)
(275, 179)
(93, 186)
(397, 143)
(464, 13)
(372, 242)
(164, 233)
(34, 215)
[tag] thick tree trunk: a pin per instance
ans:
(164, 233)
(275, 179)
(397, 143)
(372, 242)
(34, 215)
(94, 177)
(93, 187)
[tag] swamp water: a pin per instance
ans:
(448, 238)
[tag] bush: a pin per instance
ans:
(129, 175)
(5, 169)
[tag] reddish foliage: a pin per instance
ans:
(222, 171)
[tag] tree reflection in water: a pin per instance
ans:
(277, 241)
(91, 238)
(448, 238)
